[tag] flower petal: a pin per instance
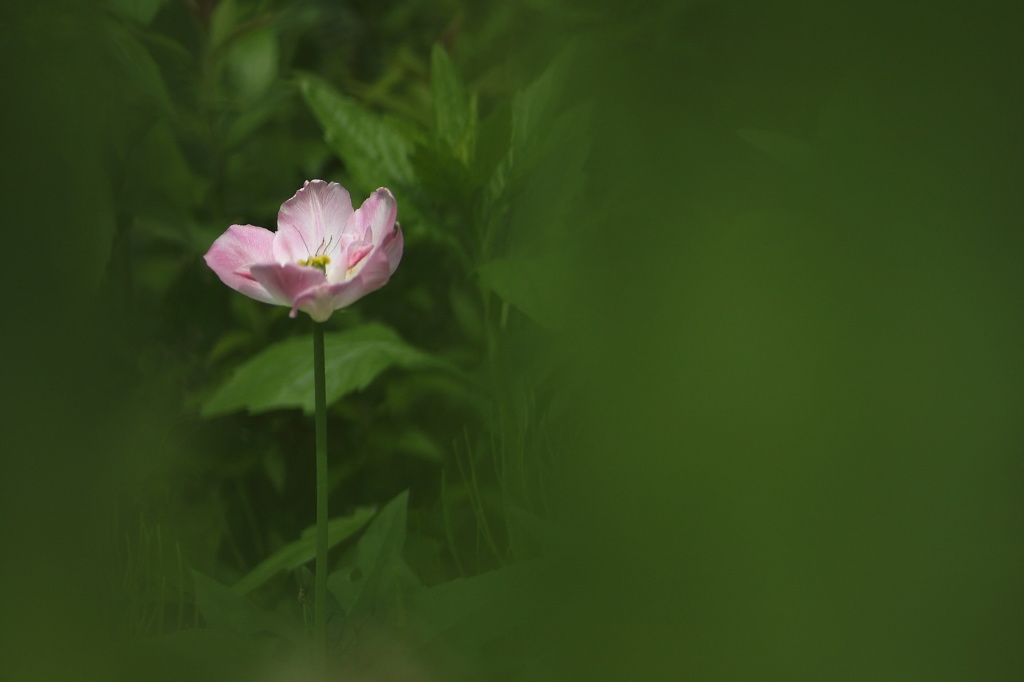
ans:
(288, 282)
(318, 302)
(311, 222)
(356, 252)
(235, 251)
(373, 222)
(377, 213)
(373, 273)
(393, 246)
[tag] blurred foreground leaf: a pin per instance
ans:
(371, 578)
(224, 609)
(454, 108)
(473, 611)
(282, 375)
(294, 554)
(536, 285)
(787, 149)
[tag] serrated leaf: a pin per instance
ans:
(374, 151)
(294, 554)
(282, 375)
(454, 108)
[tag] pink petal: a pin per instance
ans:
(321, 301)
(235, 251)
(393, 245)
(288, 282)
(311, 222)
(318, 302)
(356, 252)
(377, 214)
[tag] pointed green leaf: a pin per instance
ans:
(282, 375)
(294, 554)
(374, 573)
(224, 609)
(535, 104)
(473, 611)
(374, 151)
(539, 286)
(138, 68)
(454, 108)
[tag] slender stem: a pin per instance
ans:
(320, 584)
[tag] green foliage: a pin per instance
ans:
(455, 115)
(756, 288)
(225, 609)
(294, 554)
(282, 375)
(372, 578)
(375, 152)
(227, 108)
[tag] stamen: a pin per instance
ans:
(316, 262)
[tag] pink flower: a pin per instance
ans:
(324, 256)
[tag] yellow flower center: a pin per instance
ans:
(317, 262)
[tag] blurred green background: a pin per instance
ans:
(719, 306)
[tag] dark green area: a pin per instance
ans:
(703, 360)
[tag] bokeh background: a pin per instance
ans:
(733, 294)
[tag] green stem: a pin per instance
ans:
(320, 584)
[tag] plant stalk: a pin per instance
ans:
(320, 578)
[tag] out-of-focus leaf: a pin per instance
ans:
(140, 11)
(375, 573)
(535, 104)
(454, 108)
(282, 375)
(225, 609)
(252, 63)
(473, 611)
(787, 149)
(294, 554)
(539, 286)
(374, 151)
(140, 70)
(223, 20)
(158, 184)
(493, 138)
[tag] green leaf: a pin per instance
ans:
(539, 286)
(787, 149)
(473, 611)
(282, 375)
(226, 16)
(535, 104)
(374, 151)
(224, 609)
(252, 63)
(294, 554)
(143, 77)
(374, 575)
(140, 11)
(454, 108)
